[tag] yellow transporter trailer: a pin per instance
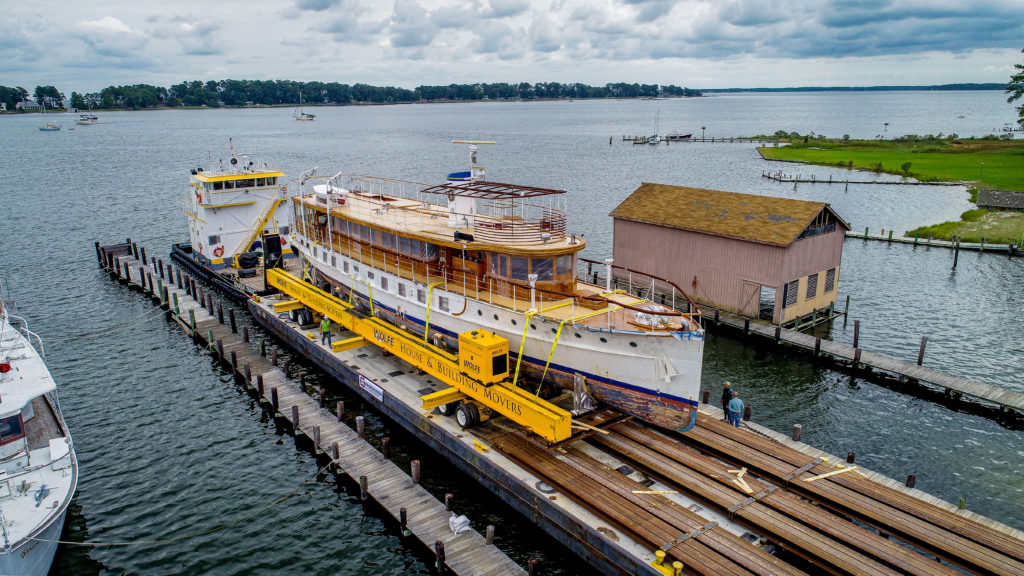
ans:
(478, 375)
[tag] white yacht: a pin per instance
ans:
(38, 469)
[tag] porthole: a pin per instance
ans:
(604, 340)
(514, 322)
(533, 326)
(577, 334)
(554, 331)
(479, 312)
(495, 316)
(632, 344)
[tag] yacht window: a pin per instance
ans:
(284, 230)
(442, 303)
(334, 260)
(11, 428)
(563, 264)
(244, 184)
(401, 290)
(215, 239)
(370, 275)
(229, 184)
(272, 181)
(261, 181)
(543, 268)
(344, 266)
(428, 250)
(366, 233)
(387, 240)
(208, 186)
(421, 295)
(519, 268)
(403, 245)
(383, 283)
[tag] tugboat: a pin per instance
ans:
(473, 254)
(38, 468)
(233, 213)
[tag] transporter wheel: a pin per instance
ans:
(447, 409)
(467, 415)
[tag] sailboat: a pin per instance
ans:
(300, 115)
(49, 126)
(655, 139)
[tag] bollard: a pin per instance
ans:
(746, 413)
(414, 471)
(707, 396)
(231, 320)
(337, 455)
(295, 419)
(531, 564)
(817, 346)
(322, 397)
(439, 556)
(287, 368)
(911, 480)
(340, 410)
(152, 287)
(920, 353)
(160, 265)
(181, 282)
(99, 256)
(259, 384)
(273, 398)
(856, 333)
(962, 504)
(856, 358)
(360, 426)
(248, 374)
(490, 534)
(798, 432)
(142, 278)
(263, 347)
(135, 250)
(177, 309)
(220, 311)
(448, 501)
(384, 442)
(192, 318)
(127, 272)
(316, 438)
(363, 494)
(850, 457)
(245, 334)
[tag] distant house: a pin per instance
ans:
(3, 106)
(1001, 199)
(757, 256)
(27, 105)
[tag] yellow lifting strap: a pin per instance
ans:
(550, 354)
(350, 285)
(426, 327)
(305, 272)
(522, 343)
(369, 293)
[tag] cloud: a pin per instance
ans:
(506, 8)
(315, 5)
(411, 26)
(109, 37)
(545, 35)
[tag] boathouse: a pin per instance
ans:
(758, 256)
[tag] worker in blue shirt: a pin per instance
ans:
(735, 409)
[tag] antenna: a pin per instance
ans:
(475, 172)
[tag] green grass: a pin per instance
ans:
(926, 160)
(996, 227)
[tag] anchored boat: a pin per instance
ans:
(38, 468)
(473, 254)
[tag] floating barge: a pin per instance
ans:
(629, 498)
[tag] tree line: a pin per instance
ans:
(216, 93)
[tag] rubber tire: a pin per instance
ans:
(247, 273)
(467, 415)
(305, 317)
(447, 409)
(294, 315)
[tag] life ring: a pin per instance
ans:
(218, 251)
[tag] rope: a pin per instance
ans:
(202, 532)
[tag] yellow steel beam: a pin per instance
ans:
(288, 306)
(349, 344)
(539, 416)
(441, 397)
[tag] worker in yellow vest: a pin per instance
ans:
(325, 331)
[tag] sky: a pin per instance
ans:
(85, 46)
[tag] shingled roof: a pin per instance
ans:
(762, 219)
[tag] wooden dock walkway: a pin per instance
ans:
(857, 358)
(779, 176)
(405, 499)
(1012, 249)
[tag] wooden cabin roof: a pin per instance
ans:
(762, 219)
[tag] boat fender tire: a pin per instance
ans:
(247, 273)
(447, 409)
(467, 415)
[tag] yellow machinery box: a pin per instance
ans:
(483, 356)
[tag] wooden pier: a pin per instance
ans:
(712, 140)
(857, 358)
(620, 494)
(779, 176)
(403, 497)
(1012, 249)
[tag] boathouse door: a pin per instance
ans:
(750, 297)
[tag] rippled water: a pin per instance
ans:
(169, 447)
